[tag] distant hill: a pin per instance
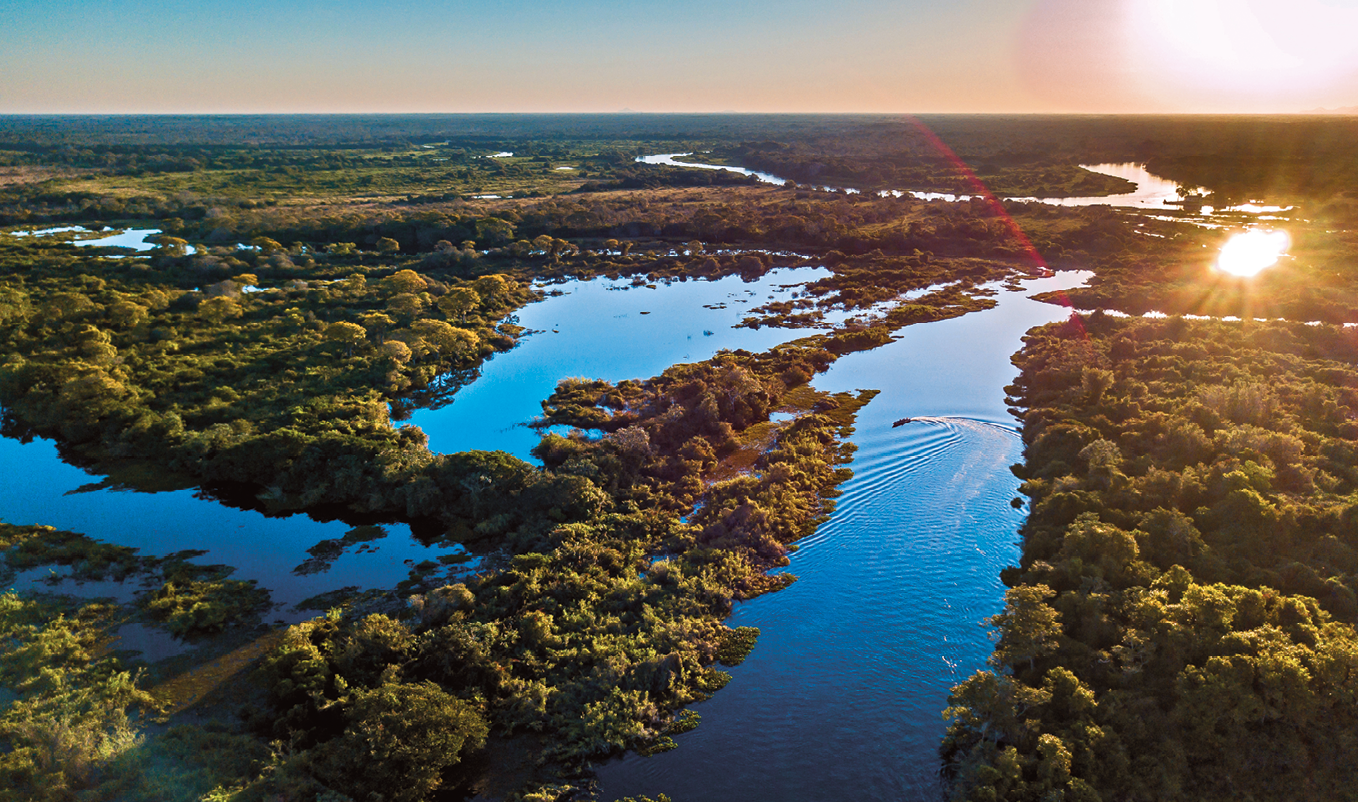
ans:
(1340, 110)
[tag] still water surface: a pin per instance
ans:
(137, 239)
(41, 489)
(604, 329)
(1152, 192)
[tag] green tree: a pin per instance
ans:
(398, 351)
(543, 243)
(171, 246)
(125, 314)
(492, 289)
(398, 741)
(494, 230)
(377, 324)
(458, 301)
(1029, 627)
(218, 309)
(267, 246)
(404, 281)
(346, 334)
(356, 284)
(406, 306)
(14, 306)
(448, 342)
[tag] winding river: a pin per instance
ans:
(1152, 192)
(841, 697)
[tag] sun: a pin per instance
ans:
(1251, 252)
(1241, 48)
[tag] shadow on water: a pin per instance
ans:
(161, 515)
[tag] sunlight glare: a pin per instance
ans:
(1245, 47)
(1250, 252)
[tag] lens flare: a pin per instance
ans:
(1250, 252)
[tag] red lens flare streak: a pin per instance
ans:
(980, 190)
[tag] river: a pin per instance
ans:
(605, 329)
(1152, 192)
(841, 697)
(601, 328)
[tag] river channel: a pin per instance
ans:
(841, 698)
(843, 692)
(604, 329)
(1152, 193)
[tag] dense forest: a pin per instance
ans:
(1182, 623)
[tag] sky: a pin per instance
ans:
(985, 56)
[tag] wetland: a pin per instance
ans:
(388, 436)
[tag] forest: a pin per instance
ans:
(1187, 565)
(1182, 623)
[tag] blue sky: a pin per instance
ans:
(596, 55)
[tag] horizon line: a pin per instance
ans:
(1345, 111)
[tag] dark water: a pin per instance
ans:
(38, 488)
(841, 698)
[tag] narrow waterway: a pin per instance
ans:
(841, 698)
(1152, 193)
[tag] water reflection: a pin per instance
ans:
(137, 239)
(38, 489)
(1251, 252)
(1152, 192)
(604, 329)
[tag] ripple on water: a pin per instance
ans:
(841, 697)
(917, 551)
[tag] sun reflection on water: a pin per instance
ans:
(1250, 252)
